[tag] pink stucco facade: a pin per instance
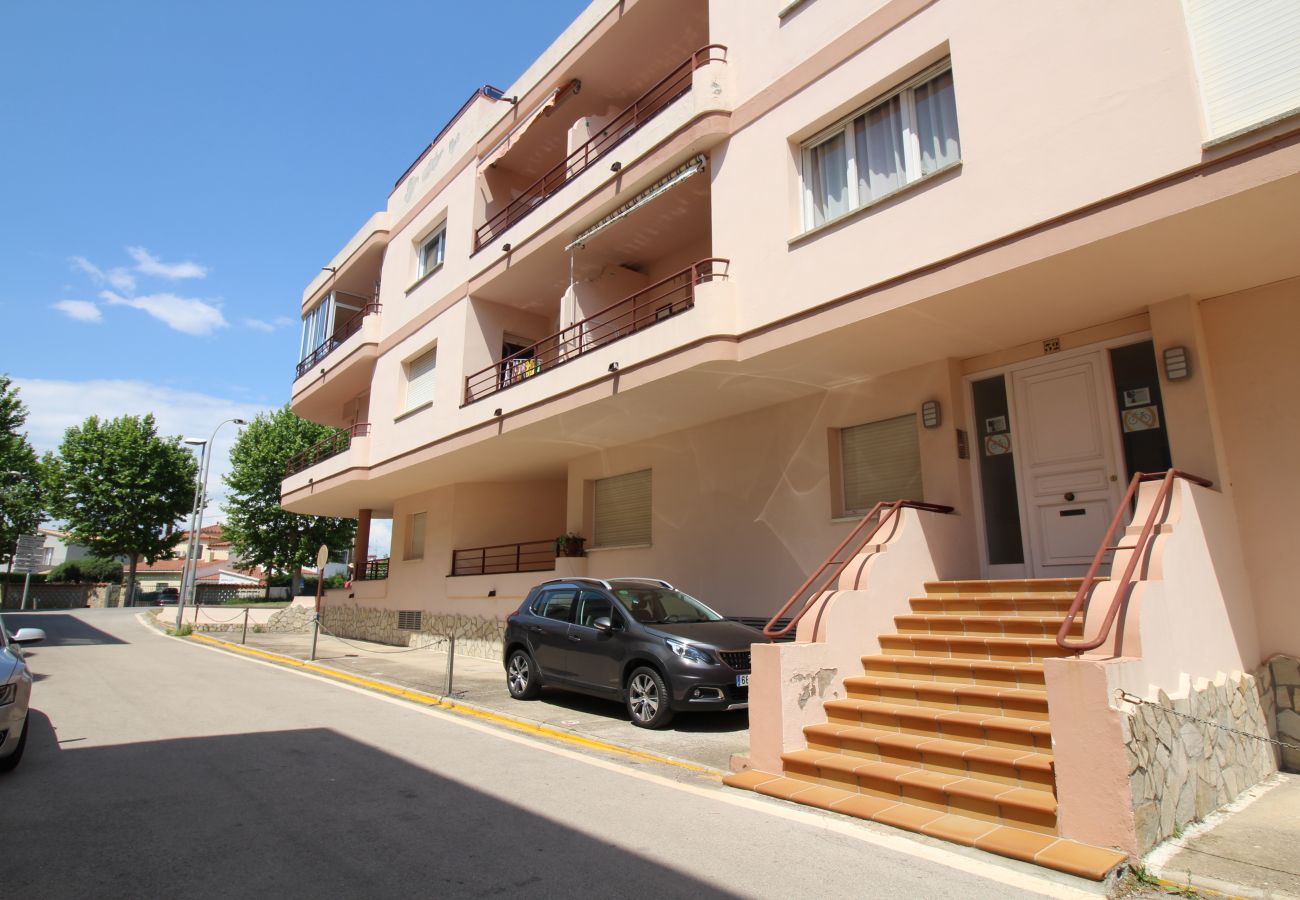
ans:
(1091, 208)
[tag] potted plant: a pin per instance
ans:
(569, 544)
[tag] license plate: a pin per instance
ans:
(742, 681)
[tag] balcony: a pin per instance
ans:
(612, 133)
(375, 570)
(646, 308)
(349, 327)
(502, 559)
(332, 446)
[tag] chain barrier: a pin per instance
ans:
(1125, 697)
(441, 639)
(239, 615)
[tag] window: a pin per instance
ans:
(895, 141)
(316, 324)
(880, 461)
(622, 510)
(419, 379)
(592, 606)
(1245, 52)
(555, 604)
(432, 251)
(415, 536)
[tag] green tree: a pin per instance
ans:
(260, 530)
(121, 488)
(91, 568)
(21, 483)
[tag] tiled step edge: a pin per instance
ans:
(1026, 675)
(1046, 850)
(1020, 702)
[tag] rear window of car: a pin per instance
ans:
(555, 604)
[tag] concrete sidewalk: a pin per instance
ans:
(704, 738)
(1250, 849)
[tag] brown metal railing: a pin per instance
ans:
(620, 128)
(341, 333)
(321, 450)
(502, 559)
(882, 512)
(645, 308)
(375, 570)
(1125, 584)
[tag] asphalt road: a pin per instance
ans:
(158, 768)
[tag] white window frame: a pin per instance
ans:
(841, 131)
(439, 237)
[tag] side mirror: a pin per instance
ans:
(28, 636)
(603, 624)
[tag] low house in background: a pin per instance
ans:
(58, 549)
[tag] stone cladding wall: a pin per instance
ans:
(290, 620)
(1282, 677)
(475, 635)
(1180, 771)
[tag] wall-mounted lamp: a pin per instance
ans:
(1176, 363)
(505, 248)
(930, 414)
(613, 367)
(616, 166)
(497, 411)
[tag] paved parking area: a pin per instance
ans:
(704, 738)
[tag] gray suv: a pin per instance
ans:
(638, 640)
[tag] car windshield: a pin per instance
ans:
(661, 606)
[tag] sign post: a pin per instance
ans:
(322, 557)
(27, 556)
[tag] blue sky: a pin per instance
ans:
(173, 174)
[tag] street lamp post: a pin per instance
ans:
(189, 573)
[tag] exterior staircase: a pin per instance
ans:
(946, 731)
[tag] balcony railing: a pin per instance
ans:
(647, 307)
(620, 128)
(350, 327)
(529, 556)
(332, 446)
(375, 570)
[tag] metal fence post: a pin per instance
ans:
(451, 662)
(244, 638)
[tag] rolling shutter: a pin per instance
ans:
(1246, 60)
(415, 536)
(880, 461)
(622, 513)
(419, 379)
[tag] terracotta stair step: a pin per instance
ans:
(992, 626)
(1018, 587)
(976, 728)
(966, 647)
(976, 698)
(1031, 809)
(961, 671)
(993, 605)
(1015, 768)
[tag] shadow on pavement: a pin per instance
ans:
(289, 814)
(690, 722)
(61, 629)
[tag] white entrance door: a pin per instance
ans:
(1068, 462)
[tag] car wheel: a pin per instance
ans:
(10, 761)
(521, 676)
(647, 699)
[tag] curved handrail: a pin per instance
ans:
(885, 510)
(1139, 550)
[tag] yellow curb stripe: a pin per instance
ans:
(1191, 890)
(451, 706)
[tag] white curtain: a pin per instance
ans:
(878, 147)
(936, 123)
(830, 180)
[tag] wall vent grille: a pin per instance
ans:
(410, 619)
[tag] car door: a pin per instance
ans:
(596, 657)
(548, 631)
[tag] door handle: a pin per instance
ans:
(575, 639)
(535, 629)
(1069, 496)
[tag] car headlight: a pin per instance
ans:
(689, 653)
(8, 694)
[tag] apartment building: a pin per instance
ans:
(712, 279)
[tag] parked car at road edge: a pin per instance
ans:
(15, 693)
